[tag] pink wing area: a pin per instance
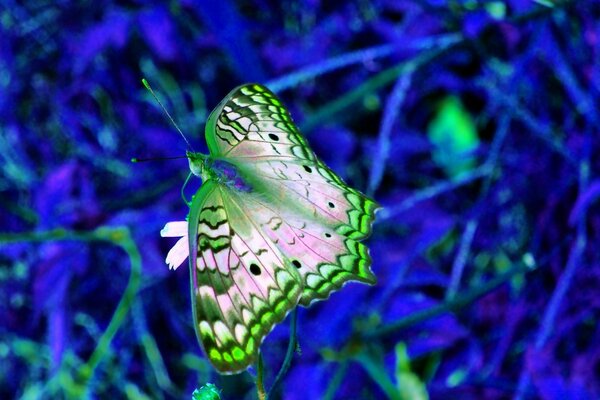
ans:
(324, 258)
(316, 192)
(241, 284)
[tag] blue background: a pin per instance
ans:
(473, 123)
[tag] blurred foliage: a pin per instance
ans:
(206, 392)
(409, 384)
(474, 123)
(454, 137)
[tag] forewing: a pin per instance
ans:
(251, 129)
(251, 122)
(241, 286)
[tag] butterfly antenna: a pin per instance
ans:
(147, 85)
(137, 160)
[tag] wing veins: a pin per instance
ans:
(242, 293)
(298, 180)
(293, 229)
(265, 240)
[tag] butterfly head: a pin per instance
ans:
(198, 164)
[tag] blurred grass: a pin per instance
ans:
(188, 96)
(76, 383)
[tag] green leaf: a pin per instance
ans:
(207, 392)
(409, 384)
(456, 378)
(454, 137)
(497, 9)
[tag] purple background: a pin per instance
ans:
(522, 199)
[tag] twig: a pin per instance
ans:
(289, 354)
(390, 114)
(355, 57)
(334, 107)
(536, 128)
(582, 100)
(328, 110)
(151, 350)
(461, 258)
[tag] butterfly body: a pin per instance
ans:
(220, 171)
(270, 228)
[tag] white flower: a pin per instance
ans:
(180, 251)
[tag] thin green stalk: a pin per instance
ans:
(336, 381)
(376, 370)
(289, 354)
(260, 378)
(152, 351)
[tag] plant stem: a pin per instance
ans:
(260, 384)
(289, 354)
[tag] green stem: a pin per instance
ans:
(289, 354)
(336, 381)
(119, 236)
(152, 351)
(260, 378)
(376, 370)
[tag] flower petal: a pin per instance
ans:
(178, 253)
(174, 229)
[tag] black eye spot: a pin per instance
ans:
(331, 205)
(307, 169)
(297, 264)
(273, 137)
(327, 234)
(255, 269)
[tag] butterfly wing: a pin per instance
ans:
(319, 219)
(252, 123)
(251, 129)
(241, 285)
(324, 258)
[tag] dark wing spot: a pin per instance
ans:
(331, 205)
(307, 168)
(327, 234)
(297, 264)
(255, 269)
(273, 137)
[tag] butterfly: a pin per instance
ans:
(271, 227)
